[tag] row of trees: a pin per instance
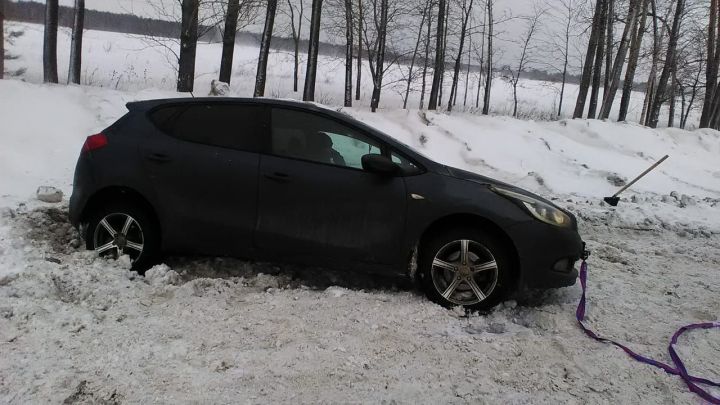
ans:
(680, 62)
(683, 46)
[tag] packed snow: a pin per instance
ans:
(78, 328)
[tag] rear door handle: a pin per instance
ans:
(277, 176)
(159, 157)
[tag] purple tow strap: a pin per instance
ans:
(692, 382)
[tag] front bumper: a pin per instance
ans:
(547, 254)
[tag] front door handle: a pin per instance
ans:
(277, 176)
(159, 157)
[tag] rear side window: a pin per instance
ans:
(234, 126)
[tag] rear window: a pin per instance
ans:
(234, 126)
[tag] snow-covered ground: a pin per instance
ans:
(204, 330)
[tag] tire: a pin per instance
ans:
(448, 281)
(136, 233)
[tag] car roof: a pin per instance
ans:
(150, 104)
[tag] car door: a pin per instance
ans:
(316, 203)
(203, 161)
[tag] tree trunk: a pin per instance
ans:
(670, 62)
(632, 64)
(652, 76)
(711, 73)
(348, 52)
(414, 55)
(597, 70)
(673, 101)
(589, 59)
(359, 51)
(609, 42)
(444, 52)
(76, 42)
(467, 71)
(482, 60)
(228, 48)
(693, 95)
(188, 45)
(379, 57)
(359, 57)
(616, 71)
(439, 57)
(458, 60)
(261, 75)
(427, 53)
(50, 73)
(2, 39)
(489, 61)
(568, 25)
(313, 43)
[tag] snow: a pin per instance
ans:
(77, 327)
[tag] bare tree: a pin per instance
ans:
(188, 45)
(358, 82)
(439, 57)
(76, 42)
(348, 52)
(614, 74)
(376, 50)
(489, 59)
(313, 43)
(466, 10)
(414, 54)
(50, 73)
(228, 49)
(713, 63)
(563, 12)
(295, 12)
(467, 70)
(599, 56)
(526, 54)
(2, 39)
(659, 99)
(587, 71)
(481, 58)
(609, 42)
(652, 76)
(261, 75)
(635, 47)
(428, 36)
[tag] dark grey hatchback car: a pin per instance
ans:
(289, 181)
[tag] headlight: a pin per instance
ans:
(540, 210)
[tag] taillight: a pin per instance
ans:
(93, 142)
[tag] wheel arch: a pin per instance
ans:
(475, 221)
(118, 193)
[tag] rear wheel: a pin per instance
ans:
(124, 229)
(465, 267)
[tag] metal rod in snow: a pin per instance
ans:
(651, 168)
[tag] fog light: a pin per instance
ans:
(563, 265)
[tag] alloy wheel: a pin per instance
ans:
(117, 234)
(464, 272)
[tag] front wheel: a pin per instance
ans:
(124, 229)
(465, 267)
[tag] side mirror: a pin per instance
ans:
(379, 164)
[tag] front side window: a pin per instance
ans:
(234, 126)
(303, 135)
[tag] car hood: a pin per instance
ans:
(480, 179)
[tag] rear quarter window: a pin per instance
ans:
(233, 126)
